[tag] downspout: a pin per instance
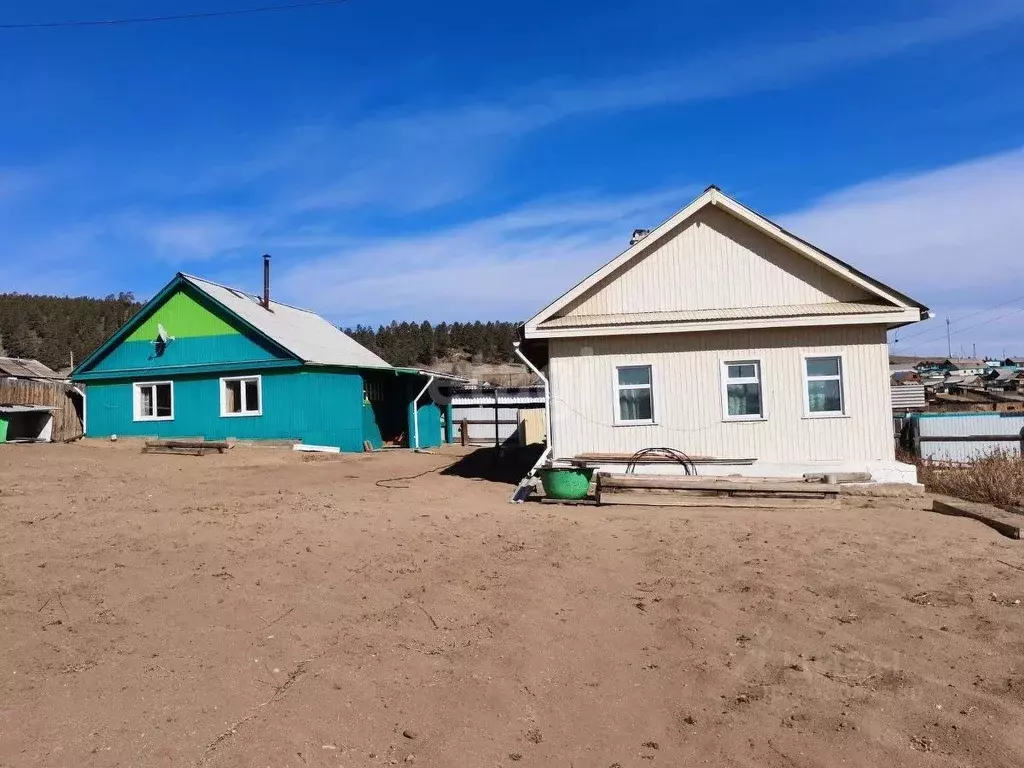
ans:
(416, 414)
(547, 422)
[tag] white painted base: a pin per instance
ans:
(880, 471)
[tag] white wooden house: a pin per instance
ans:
(721, 334)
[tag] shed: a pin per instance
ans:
(37, 404)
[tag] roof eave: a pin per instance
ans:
(888, 319)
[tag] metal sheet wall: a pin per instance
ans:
(314, 407)
(968, 425)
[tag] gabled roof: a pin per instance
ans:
(305, 334)
(298, 333)
(712, 196)
(966, 362)
(25, 368)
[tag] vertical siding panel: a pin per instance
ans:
(716, 261)
(688, 395)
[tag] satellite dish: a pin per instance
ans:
(162, 339)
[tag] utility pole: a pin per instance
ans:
(949, 343)
(974, 350)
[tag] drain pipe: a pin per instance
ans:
(547, 423)
(416, 415)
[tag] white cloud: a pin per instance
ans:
(507, 265)
(950, 237)
(195, 237)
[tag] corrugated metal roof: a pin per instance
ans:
(738, 313)
(24, 368)
(303, 333)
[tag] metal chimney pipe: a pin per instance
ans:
(266, 281)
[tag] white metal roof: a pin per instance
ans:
(696, 315)
(303, 333)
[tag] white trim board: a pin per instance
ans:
(888, 319)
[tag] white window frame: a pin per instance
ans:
(224, 413)
(137, 414)
(726, 381)
(808, 413)
(619, 421)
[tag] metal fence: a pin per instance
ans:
(491, 416)
(960, 437)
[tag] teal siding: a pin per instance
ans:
(318, 408)
(140, 358)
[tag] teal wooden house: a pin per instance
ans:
(204, 360)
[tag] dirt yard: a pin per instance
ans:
(263, 608)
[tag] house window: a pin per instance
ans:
(634, 396)
(241, 396)
(741, 390)
(154, 401)
(823, 385)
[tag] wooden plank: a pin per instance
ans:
(623, 458)
(570, 502)
(673, 482)
(208, 444)
(1006, 523)
(839, 477)
(647, 499)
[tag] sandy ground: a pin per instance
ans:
(267, 609)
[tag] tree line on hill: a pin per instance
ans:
(405, 343)
(54, 330)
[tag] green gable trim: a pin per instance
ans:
(183, 317)
(179, 282)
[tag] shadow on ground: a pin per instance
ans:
(507, 464)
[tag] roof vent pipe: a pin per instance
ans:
(638, 235)
(266, 281)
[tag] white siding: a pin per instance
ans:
(715, 261)
(688, 399)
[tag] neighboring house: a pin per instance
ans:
(204, 360)
(723, 335)
(966, 367)
(37, 404)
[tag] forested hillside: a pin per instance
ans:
(51, 328)
(426, 344)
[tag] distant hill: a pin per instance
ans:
(475, 350)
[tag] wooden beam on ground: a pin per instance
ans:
(666, 498)
(690, 483)
(1007, 523)
(195, 447)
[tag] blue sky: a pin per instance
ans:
(456, 160)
